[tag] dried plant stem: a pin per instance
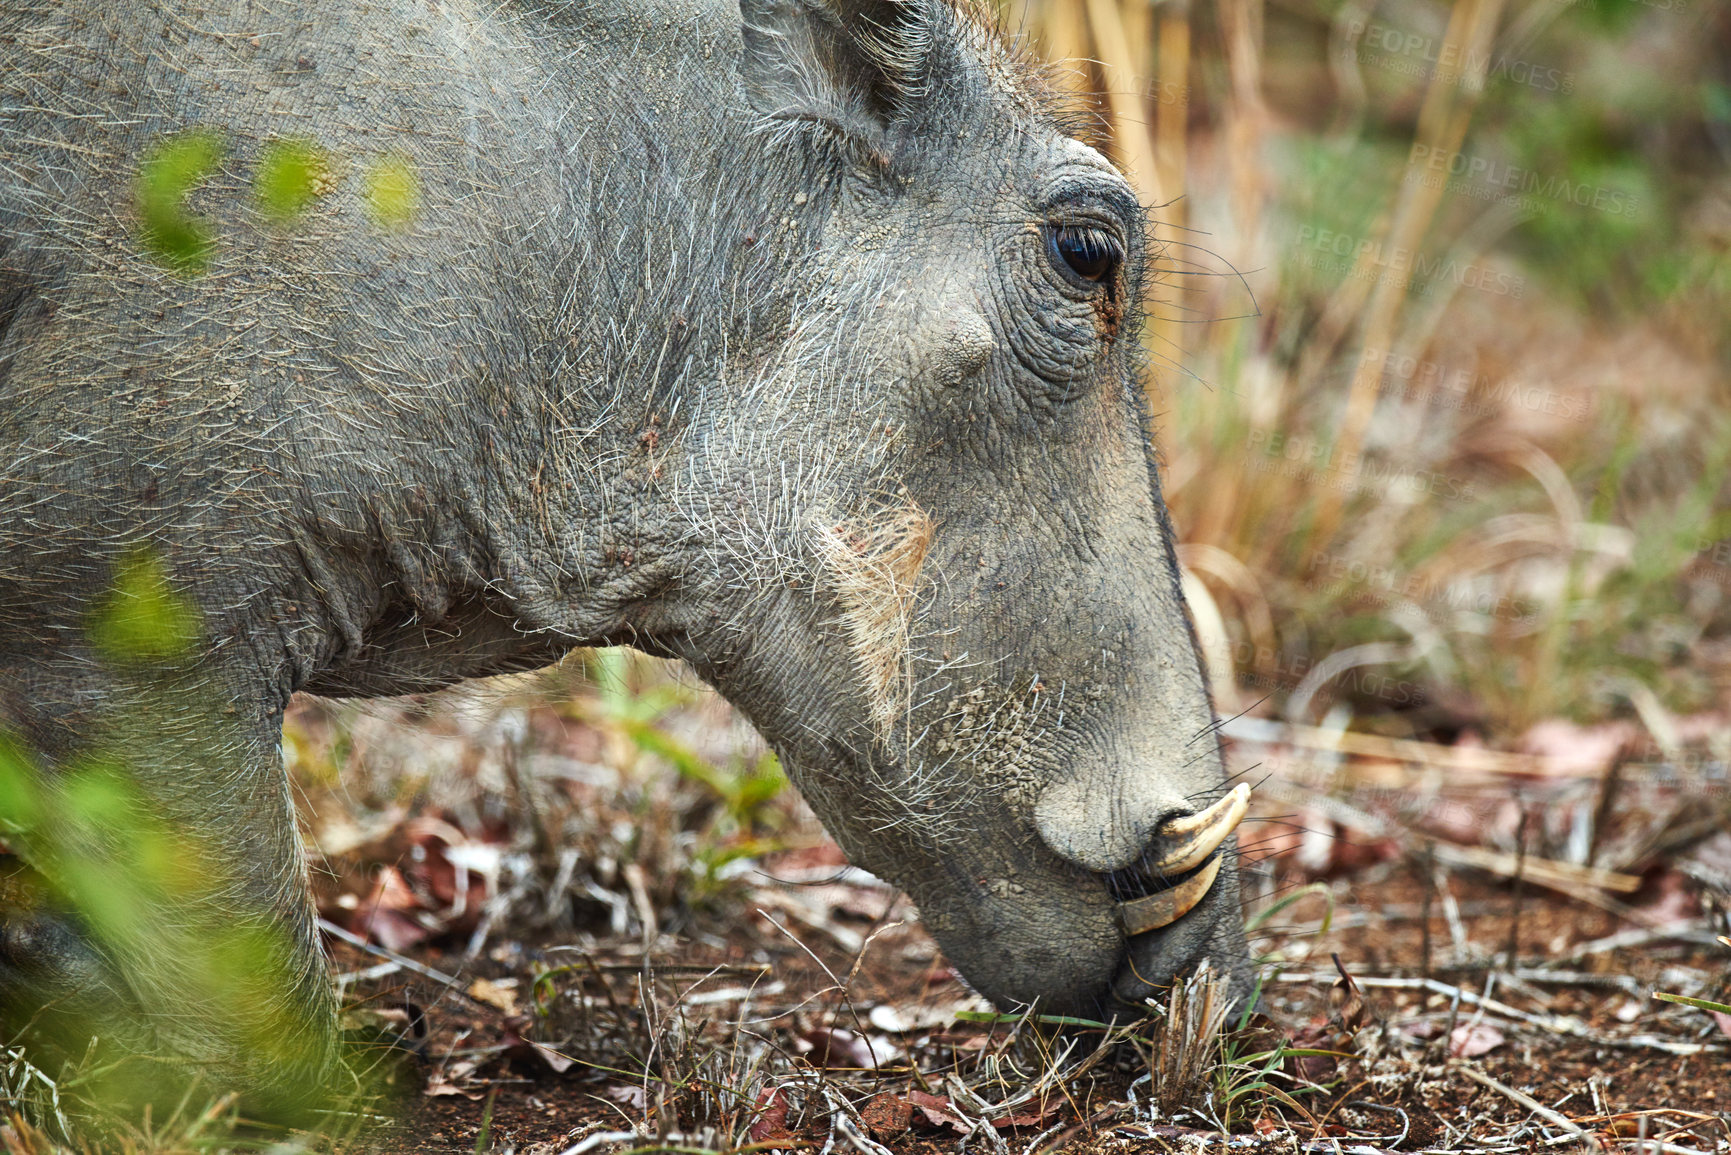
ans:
(1219, 520)
(1519, 877)
(1122, 59)
(1171, 90)
(1123, 99)
(1065, 29)
(1172, 104)
(1453, 95)
(1187, 1044)
(1524, 1100)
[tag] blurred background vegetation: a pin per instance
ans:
(1443, 345)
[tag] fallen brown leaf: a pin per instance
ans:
(1472, 1039)
(771, 1125)
(939, 1112)
(886, 1115)
(444, 1082)
(496, 995)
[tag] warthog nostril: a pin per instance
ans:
(1191, 839)
(1148, 898)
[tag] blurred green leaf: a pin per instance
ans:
(1698, 1004)
(393, 193)
(290, 175)
(170, 171)
(994, 1017)
(20, 806)
(143, 619)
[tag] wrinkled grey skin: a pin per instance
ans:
(702, 340)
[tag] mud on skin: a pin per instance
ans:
(787, 337)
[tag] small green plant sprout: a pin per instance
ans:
(143, 619)
(1711, 1007)
(291, 175)
(1698, 1004)
(1248, 1070)
(1256, 920)
(392, 193)
(745, 821)
(171, 170)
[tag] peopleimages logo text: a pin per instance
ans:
(1380, 38)
(1310, 461)
(1408, 264)
(1428, 164)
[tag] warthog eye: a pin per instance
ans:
(1089, 254)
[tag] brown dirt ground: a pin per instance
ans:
(1620, 1092)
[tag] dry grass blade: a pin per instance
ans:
(1449, 102)
(1185, 1046)
(1524, 1100)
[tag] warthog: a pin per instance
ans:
(360, 349)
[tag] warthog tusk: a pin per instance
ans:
(1140, 915)
(1196, 836)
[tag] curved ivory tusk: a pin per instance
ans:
(1196, 836)
(1140, 915)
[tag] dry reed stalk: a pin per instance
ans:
(1458, 760)
(1121, 45)
(1246, 121)
(1172, 104)
(1186, 1045)
(1171, 89)
(1450, 100)
(1137, 17)
(1124, 110)
(1064, 33)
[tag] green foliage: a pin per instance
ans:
(392, 193)
(1249, 1072)
(290, 175)
(1244, 1079)
(170, 171)
(143, 619)
(95, 844)
(745, 820)
(148, 894)
(1698, 1004)
(20, 807)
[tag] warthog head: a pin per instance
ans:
(797, 339)
(955, 606)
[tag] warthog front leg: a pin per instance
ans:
(157, 901)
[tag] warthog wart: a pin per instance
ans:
(429, 339)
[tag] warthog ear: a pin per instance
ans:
(853, 66)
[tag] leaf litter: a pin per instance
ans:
(647, 963)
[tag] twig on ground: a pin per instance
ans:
(672, 970)
(638, 884)
(1525, 1100)
(451, 981)
(1405, 1123)
(1632, 938)
(1470, 758)
(1559, 1024)
(1458, 941)
(599, 1139)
